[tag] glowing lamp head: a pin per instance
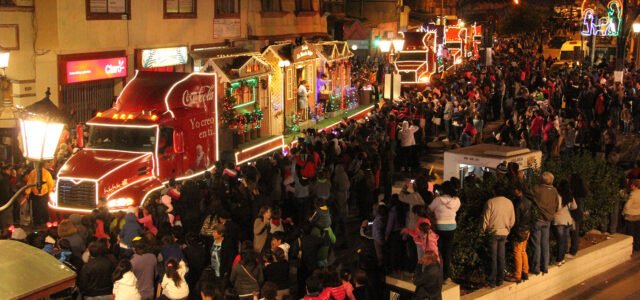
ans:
(4, 59)
(99, 114)
(119, 203)
(398, 44)
(284, 63)
(154, 117)
(460, 23)
(130, 117)
(425, 79)
(636, 29)
(354, 47)
(385, 46)
(115, 116)
(40, 138)
(458, 61)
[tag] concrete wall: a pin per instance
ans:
(21, 71)
(285, 24)
(588, 263)
(66, 30)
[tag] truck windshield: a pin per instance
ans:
(566, 55)
(122, 138)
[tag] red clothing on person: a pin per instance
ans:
(147, 221)
(470, 129)
(100, 234)
(547, 129)
(335, 293)
(536, 126)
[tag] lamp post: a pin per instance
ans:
(284, 64)
(393, 47)
(39, 142)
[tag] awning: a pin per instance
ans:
(217, 52)
(28, 272)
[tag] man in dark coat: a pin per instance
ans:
(94, 279)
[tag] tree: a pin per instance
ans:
(523, 18)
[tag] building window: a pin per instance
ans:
(304, 5)
(108, 9)
(289, 84)
(227, 8)
(271, 6)
(180, 9)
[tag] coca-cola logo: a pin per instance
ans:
(111, 69)
(202, 94)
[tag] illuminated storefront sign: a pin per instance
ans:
(303, 52)
(164, 57)
(96, 69)
(608, 25)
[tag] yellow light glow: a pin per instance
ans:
(424, 79)
(154, 117)
(115, 116)
(40, 139)
(130, 116)
(120, 202)
(99, 114)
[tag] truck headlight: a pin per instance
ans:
(120, 202)
(53, 197)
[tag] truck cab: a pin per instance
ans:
(138, 145)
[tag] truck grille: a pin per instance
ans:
(81, 195)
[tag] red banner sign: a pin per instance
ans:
(96, 69)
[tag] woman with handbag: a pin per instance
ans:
(247, 276)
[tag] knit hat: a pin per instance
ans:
(19, 234)
(66, 228)
(502, 168)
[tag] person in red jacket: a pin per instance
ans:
(535, 130)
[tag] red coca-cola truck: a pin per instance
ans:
(162, 126)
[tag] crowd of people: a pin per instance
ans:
(279, 228)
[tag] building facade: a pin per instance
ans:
(86, 50)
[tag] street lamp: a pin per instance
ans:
(4, 60)
(283, 64)
(393, 47)
(39, 142)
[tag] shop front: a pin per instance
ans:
(173, 59)
(88, 82)
(297, 67)
(246, 115)
(334, 91)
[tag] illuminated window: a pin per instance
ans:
(227, 8)
(289, 84)
(271, 6)
(108, 9)
(180, 9)
(304, 5)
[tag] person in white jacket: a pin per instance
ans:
(125, 282)
(173, 285)
(407, 144)
(445, 208)
(631, 213)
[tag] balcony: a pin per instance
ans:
(333, 7)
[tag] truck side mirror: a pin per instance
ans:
(80, 135)
(178, 141)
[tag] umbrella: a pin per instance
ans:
(46, 108)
